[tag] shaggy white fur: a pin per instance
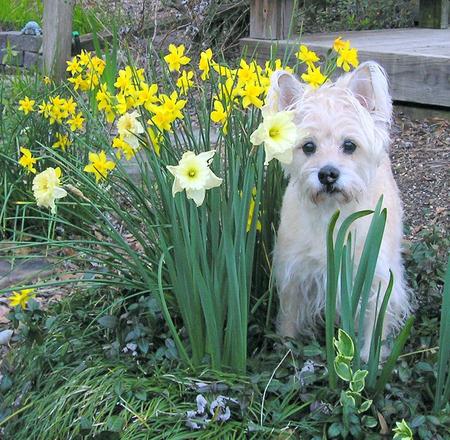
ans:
(356, 108)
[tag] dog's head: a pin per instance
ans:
(344, 130)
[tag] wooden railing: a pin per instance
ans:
(270, 19)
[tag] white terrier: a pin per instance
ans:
(341, 162)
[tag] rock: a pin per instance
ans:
(5, 337)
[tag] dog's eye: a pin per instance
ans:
(309, 148)
(349, 147)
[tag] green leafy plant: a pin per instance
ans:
(354, 287)
(442, 393)
(352, 402)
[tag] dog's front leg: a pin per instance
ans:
(288, 314)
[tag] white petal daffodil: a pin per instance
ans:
(128, 127)
(193, 175)
(279, 134)
(46, 188)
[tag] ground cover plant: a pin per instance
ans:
(169, 330)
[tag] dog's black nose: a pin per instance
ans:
(328, 175)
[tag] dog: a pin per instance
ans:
(340, 162)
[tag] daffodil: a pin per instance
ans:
(220, 114)
(279, 134)
(129, 127)
(247, 72)
(162, 119)
(47, 80)
(307, 56)
(193, 175)
(205, 63)
(62, 142)
(27, 160)
(26, 105)
(100, 166)
(76, 123)
(73, 66)
(347, 57)
(123, 148)
(184, 82)
(173, 105)
(314, 77)
(46, 188)
(21, 298)
(250, 95)
(338, 44)
(146, 96)
(176, 58)
(251, 212)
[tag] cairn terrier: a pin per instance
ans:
(341, 162)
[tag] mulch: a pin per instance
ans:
(420, 154)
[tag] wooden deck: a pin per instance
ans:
(417, 60)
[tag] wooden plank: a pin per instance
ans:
(413, 78)
(270, 19)
(57, 36)
(433, 14)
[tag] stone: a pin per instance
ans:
(19, 41)
(11, 58)
(32, 59)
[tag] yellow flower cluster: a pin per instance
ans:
(59, 110)
(85, 71)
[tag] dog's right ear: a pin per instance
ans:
(284, 92)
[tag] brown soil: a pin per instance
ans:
(420, 155)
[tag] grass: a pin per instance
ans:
(15, 14)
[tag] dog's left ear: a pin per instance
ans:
(369, 84)
(284, 92)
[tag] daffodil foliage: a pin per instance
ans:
(204, 204)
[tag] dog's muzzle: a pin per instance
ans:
(328, 175)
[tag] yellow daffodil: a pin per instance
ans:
(193, 175)
(162, 119)
(220, 114)
(129, 127)
(99, 165)
(123, 148)
(251, 212)
(155, 139)
(250, 95)
(124, 80)
(205, 63)
(314, 77)
(176, 58)
(46, 188)
(279, 134)
(47, 80)
(27, 160)
(307, 56)
(247, 72)
(146, 96)
(224, 71)
(338, 44)
(45, 109)
(173, 105)
(26, 105)
(62, 142)
(73, 66)
(184, 82)
(347, 57)
(21, 298)
(76, 123)
(84, 57)
(69, 106)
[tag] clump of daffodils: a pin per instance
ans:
(192, 174)
(279, 134)
(47, 188)
(148, 112)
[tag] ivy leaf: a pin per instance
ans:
(365, 406)
(344, 345)
(358, 381)
(342, 368)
